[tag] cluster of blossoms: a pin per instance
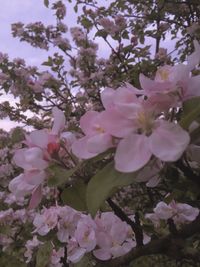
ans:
(13, 219)
(43, 145)
(135, 121)
(140, 128)
(180, 213)
(106, 235)
(113, 27)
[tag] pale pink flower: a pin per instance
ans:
(56, 257)
(68, 219)
(46, 221)
(114, 237)
(96, 141)
(167, 141)
(163, 211)
(180, 213)
(69, 138)
(74, 251)
(30, 159)
(174, 82)
(85, 233)
(19, 186)
(183, 213)
(30, 246)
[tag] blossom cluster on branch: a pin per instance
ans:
(109, 173)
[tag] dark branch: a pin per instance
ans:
(136, 227)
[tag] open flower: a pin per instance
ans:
(96, 139)
(142, 134)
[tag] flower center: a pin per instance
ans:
(164, 74)
(99, 129)
(145, 122)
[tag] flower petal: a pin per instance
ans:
(38, 138)
(107, 97)
(115, 124)
(80, 149)
(59, 121)
(99, 143)
(132, 153)
(102, 254)
(169, 141)
(35, 198)
(88, 121)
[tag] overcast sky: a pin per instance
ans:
(25, 11)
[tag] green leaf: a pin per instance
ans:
(44, 254)
(58, 175)
(10, 261)
(86, 261)
(191, 111)
(6, 230)
(17, 135)
(86, 23)
(188, 105)
(46, 3)
(101, 33)
(49, 62)
(105, 182)
(75, 196)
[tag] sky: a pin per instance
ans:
(26, 11)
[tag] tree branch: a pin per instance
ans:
(136, 227)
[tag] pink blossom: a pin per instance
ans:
(85, 233)
(56, 257)
(19, 186)
(174, 81)
(96, 141)
(74, 252)
(180, 213)
(167, 141)
(30, 246)
(46, 221)
(113, 237)
(68, 219)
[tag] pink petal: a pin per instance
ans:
(134, 89)
(76, 255)
(102, 254)
(151, 86)
(87, 122)
(132, 153)
(103, 240)
(146, 83)
(99, 143)
(19, 187)
(59, 121)
(30, 158)
(153, 182)
(38, 138)
(194, 58)
(115, 124)
(34, 177)
(107, 97)
(80, 149)
(127, 102)
(117, 251)
(169, 141)
(35, 198)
